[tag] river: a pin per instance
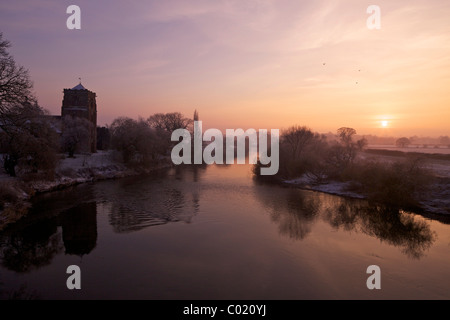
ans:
(214, 232)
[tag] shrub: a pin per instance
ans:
(398, 184)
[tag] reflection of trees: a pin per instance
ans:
(156, 200)
(396, 227)
(30, 248)
(293, 210)
(296, 210)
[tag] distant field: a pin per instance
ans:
(416, 149)
(436, 159)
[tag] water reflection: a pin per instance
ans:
(28, 246)
(171, 196)
(67, 222)
(32, 247)
(295, 211)
(79, 229)
(396, 227)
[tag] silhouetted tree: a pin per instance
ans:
(75, 134)
(29, 139)
(296, 138)
(341, 156)
(301, 151)
(27, 136)
(346, 134)
(169, 122)
(402, 142)
(15, 83)
(361, 144)
(136, 140)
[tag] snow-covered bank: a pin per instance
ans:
(83, 168)
(331, 187)
(16, 193)
(436, 200)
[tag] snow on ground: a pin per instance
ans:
(438, 199)
(338, 188)
(70, 171)
(331, 187)
(83, 168)
(440, 202)
(99, 159)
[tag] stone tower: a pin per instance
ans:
(80, 102)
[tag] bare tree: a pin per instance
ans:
(402, 142)
(296, 138)
(301, 151)
(75, 134)
(136, 140)
(28, 139)
(346, 134)
(169, 122)
(362, 143)
(15, 83)
(341, 156)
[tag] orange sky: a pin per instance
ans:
(245, 63)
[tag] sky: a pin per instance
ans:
(244, 63)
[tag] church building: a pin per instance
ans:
(81, 102)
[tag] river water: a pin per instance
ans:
(213, 232)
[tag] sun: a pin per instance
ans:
(384, 123)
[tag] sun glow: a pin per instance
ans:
(384, 123)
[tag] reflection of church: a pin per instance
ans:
(79, 228)
(81, 102)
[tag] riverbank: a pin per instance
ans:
(436, 200)
(16, 192)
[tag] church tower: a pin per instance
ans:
(80, 102)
